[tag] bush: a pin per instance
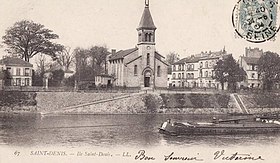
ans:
(17, 98)
(222, 100)
(151, 103)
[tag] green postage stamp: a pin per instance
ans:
(256, 20)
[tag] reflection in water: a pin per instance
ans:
(112, 130)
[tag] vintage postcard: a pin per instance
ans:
(139, 81)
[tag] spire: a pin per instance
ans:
(146, 20)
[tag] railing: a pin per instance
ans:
(70, 89)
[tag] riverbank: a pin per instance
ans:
(17, 102)
(154, 103)
(137, 103)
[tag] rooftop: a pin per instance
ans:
(122, 53)
(146, 19)
(251, 60)
(12, 61)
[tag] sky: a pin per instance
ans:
(183, 26)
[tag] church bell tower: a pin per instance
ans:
(146, 47)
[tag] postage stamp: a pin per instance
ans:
(256, 20)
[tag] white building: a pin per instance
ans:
(197, 70)
(249, 62)
(20, 71)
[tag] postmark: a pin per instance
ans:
(256, 21)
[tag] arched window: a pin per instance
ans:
(146, 36)
(158, 71)
(150, 37)
(148, 59)
(135, 70)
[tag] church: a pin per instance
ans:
(142, 66)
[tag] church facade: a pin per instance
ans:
(142, 66)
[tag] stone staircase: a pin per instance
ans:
(240, 104)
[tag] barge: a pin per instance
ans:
(221, 127)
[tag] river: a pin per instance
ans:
(113, 131)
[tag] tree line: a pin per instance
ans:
(27, 39)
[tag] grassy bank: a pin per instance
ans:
(16, 101)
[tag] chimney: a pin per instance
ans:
(113, 52)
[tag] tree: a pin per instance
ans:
(6, 77)
(98, 55)
(171, 58)
(269, 69)
(65, 58)
(227, 70)
(57, 77)
(83, 71)
(27, 38)
(90, 62)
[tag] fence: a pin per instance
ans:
(69, 89)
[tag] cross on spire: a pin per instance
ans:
(146, 3)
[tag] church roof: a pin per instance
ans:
(146, 20)
(122, 53)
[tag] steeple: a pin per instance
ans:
(146, 29)
(146, 21)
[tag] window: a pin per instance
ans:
(158, 71)
(139, 37)
(253, 67)
(183, 67)
(192, 75)
(179, 67)
(146, 36)
(200, 73)
(18, 71)
(253, 75)
(174, 67)
(135, 70)
(179, 75)
(26, 72)
(201, 64)
(148, 59)
(206, 64)
(192, 67)
(18, 81)
(27, 82)
(150, 37)
(9, 69)
(206, 74)
(183, 75)
(174, 76)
